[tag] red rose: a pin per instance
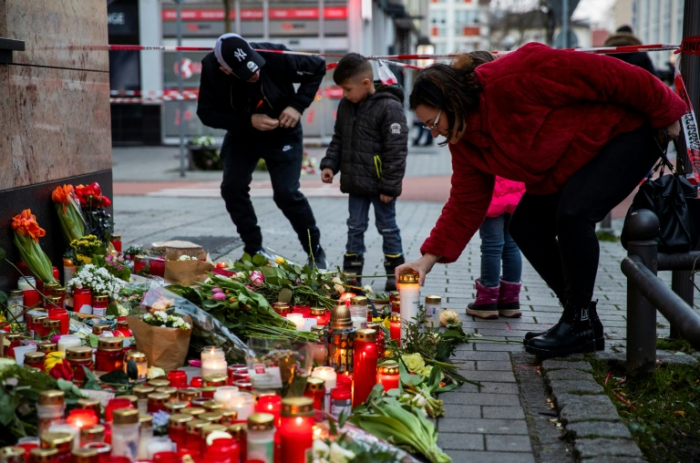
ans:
(62, 371)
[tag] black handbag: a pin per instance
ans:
(675, 202)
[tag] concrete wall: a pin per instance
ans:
(54, 111)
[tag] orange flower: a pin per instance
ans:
(25, 224)
(62, 195)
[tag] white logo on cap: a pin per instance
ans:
(252, 66)
(240, 55)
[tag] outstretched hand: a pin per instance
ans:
(423, 266)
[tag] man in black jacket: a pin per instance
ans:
(624, 36)
(254, 100)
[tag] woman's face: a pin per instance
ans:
(436, 121)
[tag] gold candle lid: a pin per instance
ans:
(47, 347)
(158, 397)
(110, 344)
(395, 317)
(52, 397)
(13, 336)
(145, 420)
(39, 319)
(315, 384)
(358, 300)
(179, 420)
(340, 317)
(194, 411)
(55, 439)
(59, 291)
(318, 311)
(42, 455)
(100, 298)
(211, 417)
(139, 357)
(210, 428)
(55, 301)
(79, 353)
(10, 452)
(367, 335)
(125, 416)
(229, 415)
(433, 299)
(89, 404)
(116, 237)
(167, 390)
(175, 407)
(319, 329)
(15, 293)
(34, 357)
(51, 323)
(95, 430)
(212, 405)
(298, 406)
(158, 382)
(143, 391)
(282, 308)
(187, 394)
(215, 378)
(409, 277)
(238, 430)
(261, 422)
(389, 368)
(84, 455)
(99, 329)
(196, 425)
(132, 398)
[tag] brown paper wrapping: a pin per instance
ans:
(165, 348)
(186, 272)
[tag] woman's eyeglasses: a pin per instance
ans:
(435, 122)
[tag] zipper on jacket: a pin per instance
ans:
(378, 165)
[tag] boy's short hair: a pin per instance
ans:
(352, 66)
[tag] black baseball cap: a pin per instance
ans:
(235, 54)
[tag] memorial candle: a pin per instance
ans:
(270, 403)
(328, 375)
(321, 315)
(409, 290)
(395, 327)
(296, 428)
(365, 365)
(213, 361)
(388, 375)
(81, 418)
(297, 319)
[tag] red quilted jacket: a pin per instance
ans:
(543, 114)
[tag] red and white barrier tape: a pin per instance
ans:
(690, 128)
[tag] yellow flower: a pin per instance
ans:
(52, 358)
(386, 323)
(280, 260)
(414, 362)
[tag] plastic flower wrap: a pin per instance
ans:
(69, 214)
(27, 234)
(279, 365)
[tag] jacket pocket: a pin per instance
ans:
(378, 165)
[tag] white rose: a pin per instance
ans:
(339, 454)
(320, 448)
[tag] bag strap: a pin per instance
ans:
(663, 158)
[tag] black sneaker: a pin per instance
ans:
(317, 259)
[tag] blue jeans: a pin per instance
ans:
(497, 245)
(385, 218)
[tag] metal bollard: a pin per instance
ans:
(642, 227)
(682, 284)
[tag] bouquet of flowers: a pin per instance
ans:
(68, 210)
(98, 280)
(84, 249)
(165, 339)
(93, 204)
(161, 318)
(27, 234)
(115, 264)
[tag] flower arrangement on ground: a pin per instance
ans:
(84, 249)
(162, 319)
(69, 214)
(98, 280)
(27, 234)
(93, 204)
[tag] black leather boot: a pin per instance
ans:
(390, 264)
(317, 259)
(573, 334)
(597, 329)
(353, 263)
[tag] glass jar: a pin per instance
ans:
(50, 326)
(365, 365)
(243, 385)
(194, 411)
(321, 314)
(91, 404)
(35, 360)
(85, 456)
(433, 308)
(261, 437)
(48, 289)
(12, 455)
(388, 375)
(94, 433)
(69, 269)
(213, 361)
(142, 392)
(60, 441)
(116, 241)
(156, 402)
(68, 340)
(381, 342)
(282, 308)
(175, 407)
(316, 389)
(395, 327)
(50, 409)
(60, 291)
(212, 405)
(43, 456)
(303, 310)
(229, 417)
(296, 428)
(139, 358)
(99, 304)
(110, 354)
(358, 312)
(125, 433)
(146, 434)
(171, 391)
(15, 307)
(47, 347)
(97, 330)
(194, 434)
(214, 417)
(79, 357)
(177, 428)
(59, 313)
(159, 382)
(14, 339)
(37, 326)
(123, 329)
(341, 401)
(216, 380)
(239, 432)
(178, 379)
(29, 291)
(82, 300)
(186, 395)
(319, 349)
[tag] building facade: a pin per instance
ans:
(458, 25)
(656, 21)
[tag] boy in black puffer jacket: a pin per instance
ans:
(369, 148)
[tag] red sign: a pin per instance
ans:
(256, 14)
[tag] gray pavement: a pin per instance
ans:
(510, 418)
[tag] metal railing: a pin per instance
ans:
(646, 293)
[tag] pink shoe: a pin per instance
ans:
(486, 303)
(509, 300)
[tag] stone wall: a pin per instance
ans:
(54, 111)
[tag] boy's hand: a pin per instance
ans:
(263, 122)
(385, 198)
(289, 117)
(327, 175)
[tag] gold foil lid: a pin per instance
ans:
(84, 455)
(100, 298)
(59, 291)
(13, 336)
(261, 422)
(47, 347)
(433, 299)
(167, 390)
(409, 277)
(79, 353)
(97, 429)
(395, 317)
(389, 368)
(42, 455)
(212, 405)
(281, 308)
(320, 329)
(158, 382)
(358, 300)
(112, 344)
(139, 357)
(211, 417)
(315, 384)
(89, 404)
(9, 452)
(55, 439)
(298, 406)
(194, 411)
(52, 397)
(238, 430)
(196, 425)
(34, 357)
(158, 397)
(340, 317)
(99, 329)
(143, 391)
(116, 237)
(187, 394)
(15, 293)
(145, 420)
(126, 416)
(318, 311)
(210, 428)
(51, 323)
(215, 378)
(179, 419)
(175, 407)
(367, 335)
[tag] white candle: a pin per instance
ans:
(297, 319)
(159, 444)
(21, 350)
(327, 374)
(243, 403)
(409, 290)
(225, 393)
(213, 361)
(68, 340)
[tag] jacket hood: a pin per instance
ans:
(394, 89)
(622, 39)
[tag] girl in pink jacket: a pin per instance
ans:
(496, 295)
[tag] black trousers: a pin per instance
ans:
(283, 156)
(556, 232)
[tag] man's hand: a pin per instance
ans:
(263, 122)
(289, 117)
(327, 175)
(385, 198)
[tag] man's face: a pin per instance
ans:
(252, 80)
(356, 91)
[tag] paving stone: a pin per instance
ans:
(487, 365)
(503, 412)
(508, 443)
(492, 457)
(486, 399)
(576, 408)
(562, 386)
(462, 411)
(471, 354)
(489, 388)
(573, 375)
(500, 347)
(591, 448)
(598, 429)
(549, 365)
(492, 376)
(483, 425)
(460, 441)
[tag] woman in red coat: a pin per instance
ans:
(580, 130)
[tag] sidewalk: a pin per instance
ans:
(509, 419)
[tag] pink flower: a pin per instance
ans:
(217, 290)
(257, 278)
(218, 296)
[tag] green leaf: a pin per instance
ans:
(3, 297)
(93, 340)
(407, 378)
(3, 254)
(285, 295)
(91, 382)
(115, 377)
(260, 260)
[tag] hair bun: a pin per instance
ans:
(463, 62)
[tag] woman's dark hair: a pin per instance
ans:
(451, 88)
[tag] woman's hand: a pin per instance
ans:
(422, 266)
(674, 130)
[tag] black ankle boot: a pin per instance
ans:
(595, 321)
(390, 264)
(317, 259)
(353, 263)
(573, 334)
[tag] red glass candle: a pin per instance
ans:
(270, 403)
(79, 357)
(177, 429)
(304, 310)
(193, 438)
(157, 265)
(81, 418)
(37, 326)
(110, 354)
(388, 375)
(99, 304)
(321, 314)
(341, 401)
(30, 297)
(296, 429)
(116, 404)
(196, 382)
(59, 313)
(396, 306)
(178, 379)
(316, 389)
(222, 451)
(365, 365)
(381, 343)
(117, 242)
(82, 300)
(395, 327)
(243, 385)
(240, 374)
